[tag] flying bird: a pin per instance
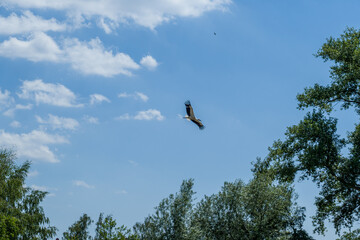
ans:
(191, 116)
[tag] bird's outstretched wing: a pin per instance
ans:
(199, 124)
(189, 109)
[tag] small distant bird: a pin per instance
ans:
(191, 116)
(215, 33)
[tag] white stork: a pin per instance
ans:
(191, 116)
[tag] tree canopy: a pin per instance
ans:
(21, 216)
(172, 218)
(313, 148)
(106, 229)
(344, 52)
(79, 230)
(260, 209)
(257, 210)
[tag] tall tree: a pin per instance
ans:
(106, 229)
(313, 149)
(79, 230)
(257, 210)
(172, 218)
(21, 216)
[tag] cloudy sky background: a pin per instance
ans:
(91, 92)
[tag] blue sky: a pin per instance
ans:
(91, 93)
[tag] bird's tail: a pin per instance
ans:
(187, 118)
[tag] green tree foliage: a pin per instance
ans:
(313, 149)
(172, 218)
(352, 235)
(106, 229)
(79, 230)
(21, 216)
(345, 74)
(9, 227)
(258, 210)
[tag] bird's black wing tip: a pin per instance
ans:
(187, 102)
(202, 127)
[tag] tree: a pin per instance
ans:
(106, 230)
(79, 230)
(21, 216)
(313, 149)
(345, 74)
(352, 235)
(257, 210)
(172, 218)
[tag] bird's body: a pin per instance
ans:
(191, 116)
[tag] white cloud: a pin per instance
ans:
(39, 188)
(48, 93)
(107, 25)
(92, 58)
(142, 12)
(98, 98)
(125, 116)
(56, 122)
(37, 47)
(44, 189)
(15, 124)
(11, 112)
(90, 119)
(121, 192)
(33, 145)
(151, 114)
(33, 173)
(136, 96)
(28, 23)
(5, 99)
(149, 62)
(141, 96)
(80, 183)
(124, 95)
(87, 57)
(135, 164)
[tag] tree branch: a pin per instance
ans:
(343, 99)
(341, 180)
